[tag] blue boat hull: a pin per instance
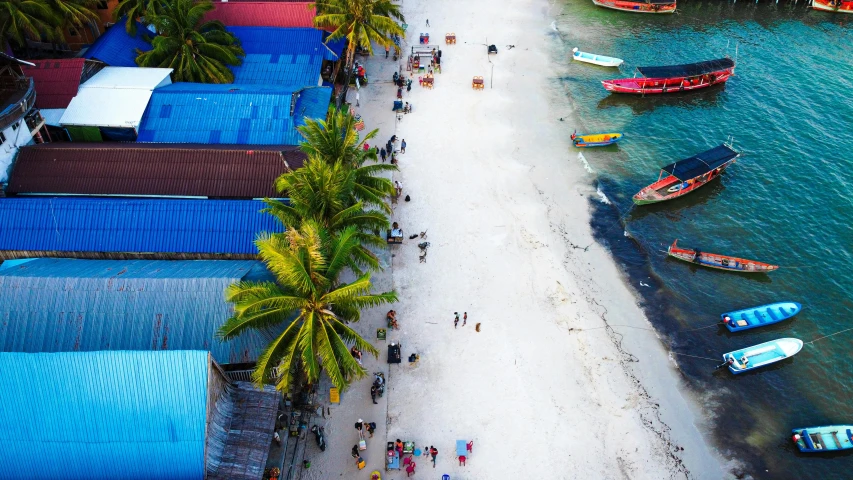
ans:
(828, 438)
(755, 317)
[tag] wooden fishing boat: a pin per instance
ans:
(595, 139)
(761, 355)
(721, 262)
(827, 438)
(836, 6)
(759, 316)
(596, 59)
(685, 176)
(638, 6)
(674, 78)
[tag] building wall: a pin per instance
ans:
(78, 38)
(16, 135)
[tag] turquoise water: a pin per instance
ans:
(787, 201)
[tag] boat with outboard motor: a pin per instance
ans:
(761, 355)
(755, 317)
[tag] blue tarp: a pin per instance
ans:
(63, 305)
(104, 415)
(75, 224)
(118, 49)
(230, 114)
(285, 57)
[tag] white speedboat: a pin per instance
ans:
(596, 59)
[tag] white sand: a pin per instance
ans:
(504, 199)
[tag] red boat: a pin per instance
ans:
(720, 262)
(840, 6)
(674, 78)
(685, 176)
(649, 6)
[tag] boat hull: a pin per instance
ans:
(833, 6)
(764, 315)
(717, 261)
(636, 7)
(596, 140)
(655, 86)
(762, 355)
(594, 59)
(826, 438)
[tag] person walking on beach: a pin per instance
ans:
(387, 49)
(465, 319)
(409, 85)
(433, 453)
(354, 452)
(427, 22)
(383, 154)
(356, 99)
(456, 320)
(373, 390)
(371, 427)
(359, 426)
(403, 146)
(399, 187)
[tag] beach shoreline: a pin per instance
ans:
(548, 386)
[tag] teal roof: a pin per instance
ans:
(231, 114)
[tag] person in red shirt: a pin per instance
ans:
(462, 460)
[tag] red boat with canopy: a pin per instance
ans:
(674, 78)
(638, 6)
(685, 176)
(838, 6)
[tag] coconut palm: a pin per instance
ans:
(23, 19)
(135, 10)
(307, 263)
(322, 193)
(337, 141)
(73, 13)
(196, 51)
(362, 22)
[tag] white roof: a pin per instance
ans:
(115, 97)
(52, 115)
(129, 77)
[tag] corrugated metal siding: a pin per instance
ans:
(105, 107)
(56, 305)
(56, 80)
(129, 77)
(151, 225)
(312, 103)
(151, 169)
(118, 49)
(227, 114)
(287, 57)
(103, 415)
(263, 14)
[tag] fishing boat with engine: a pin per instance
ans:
(762, 354)
(720, 262)
(835, 6)
(760, 316)
(828, 438)
(594, 59)
(595, 139)
(685, 176)
(638, 6)
(674, 78)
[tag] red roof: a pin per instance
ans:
(263, 14)
(133, 169)
(56, 81)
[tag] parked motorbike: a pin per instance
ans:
(320, 436)
(379, 383)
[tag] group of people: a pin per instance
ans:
(392, 319)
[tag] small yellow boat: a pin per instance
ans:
(595, 139)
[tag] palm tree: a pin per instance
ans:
(73, 13)
(322, 193)
(307, 264)
(23, 19)
(362, 22)
(135, 10)
(337, 141)
(197, 52)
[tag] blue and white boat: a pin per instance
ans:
(827, 438)
(760, 316)
(762, 354)
(596, 59)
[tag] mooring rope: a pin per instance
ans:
(827, 336)
(694, 356)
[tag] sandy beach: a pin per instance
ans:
(549, 387)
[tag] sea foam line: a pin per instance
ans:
(585, 163)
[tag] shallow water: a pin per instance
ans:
(787, 201)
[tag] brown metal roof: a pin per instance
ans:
(216, 171)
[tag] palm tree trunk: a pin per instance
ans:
(348, 66)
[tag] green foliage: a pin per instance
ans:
(197, 52)
(28, 19)
(362, 22)
(135, 10)
(307, 264)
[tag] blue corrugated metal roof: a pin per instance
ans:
(58, 304)
(287, 57)
(336, 46)
(230, 114)
(118, 49)
(74, 224)
(103, 415)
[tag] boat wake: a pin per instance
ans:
(585, 163)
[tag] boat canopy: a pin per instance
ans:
(687, 70)
(701, 163)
